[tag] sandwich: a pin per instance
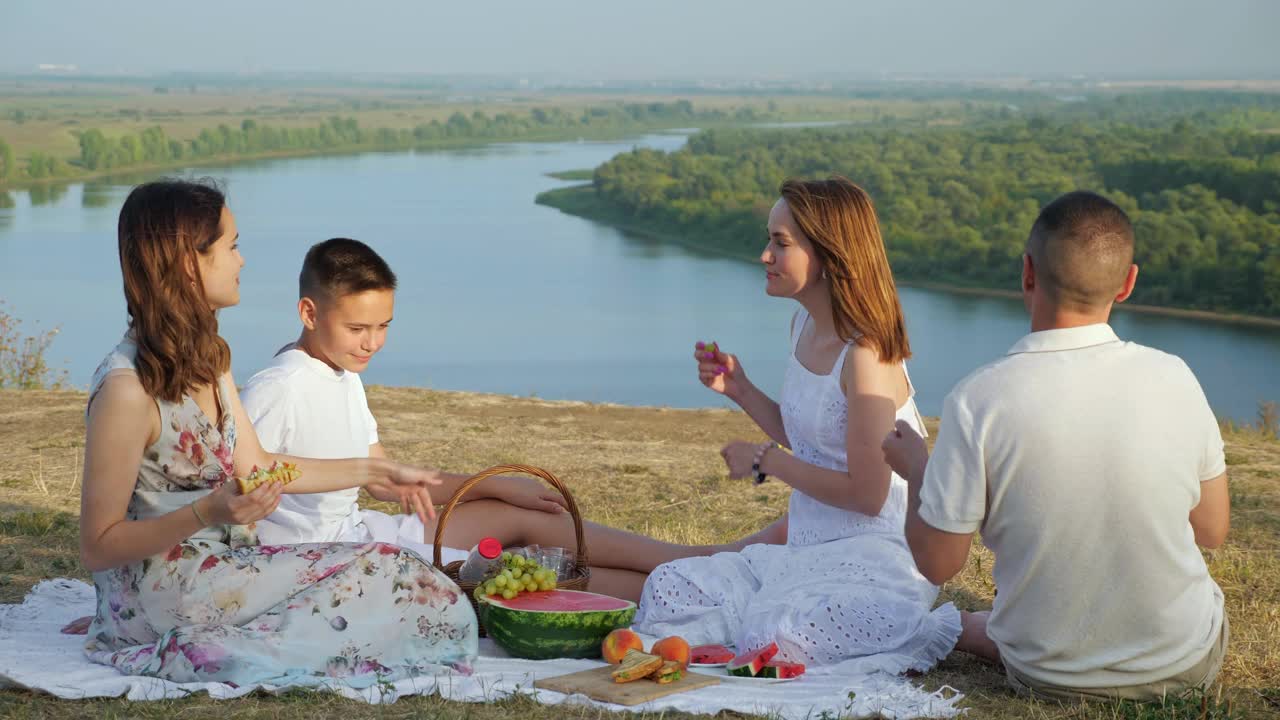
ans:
(670, 672)
(281, 472)
(636, 665)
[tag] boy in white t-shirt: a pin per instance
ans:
(310, 402)
(1092, 467)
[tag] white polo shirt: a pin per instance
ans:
(1079, 457)
(302, 407)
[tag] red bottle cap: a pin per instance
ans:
(490, 548)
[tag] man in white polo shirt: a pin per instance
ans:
(1092, 467)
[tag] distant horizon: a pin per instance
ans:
(654, 40)
(535, 81)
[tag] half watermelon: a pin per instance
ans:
(554, 623)
(749, 664)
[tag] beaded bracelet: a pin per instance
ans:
(755, 464)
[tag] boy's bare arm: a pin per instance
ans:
(1211, 518)
(522, 492)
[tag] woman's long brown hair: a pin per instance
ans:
(839, 219)
(164, 227)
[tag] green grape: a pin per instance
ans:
(545, 585)
(531, 585)
(508, 594)
(526, 577)
(500, 581)
(518, 561)
(506, 556)
(539, 575)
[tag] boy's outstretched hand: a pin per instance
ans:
(411, 498)
(905, 451)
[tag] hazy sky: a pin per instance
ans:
(648, 38)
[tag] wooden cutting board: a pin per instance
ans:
(598, 684)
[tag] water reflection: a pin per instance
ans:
(47, 194)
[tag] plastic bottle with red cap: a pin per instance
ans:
(484, 556)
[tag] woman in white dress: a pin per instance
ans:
(833, 579)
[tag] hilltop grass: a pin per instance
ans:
(650, 470)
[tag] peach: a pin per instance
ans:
(617, 643)
(673, 648)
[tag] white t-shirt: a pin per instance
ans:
(300, 406)
(1079, 457)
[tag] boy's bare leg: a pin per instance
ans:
(606, 547)
(625, 584)
(973, 636)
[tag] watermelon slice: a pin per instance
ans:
(554, 623)
(710, 655)
(749, 664)
(781, 670)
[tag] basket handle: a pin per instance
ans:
(578, 532)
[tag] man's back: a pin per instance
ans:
(1093, 450)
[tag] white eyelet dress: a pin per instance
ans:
(844, 586)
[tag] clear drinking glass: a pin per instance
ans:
(560, 560)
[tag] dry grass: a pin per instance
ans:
(650, 470)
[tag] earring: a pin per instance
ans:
(824, 273)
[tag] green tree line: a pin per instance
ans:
(101, 151)
(7, 167)
(956, 204)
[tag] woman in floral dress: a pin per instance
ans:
(185, 592)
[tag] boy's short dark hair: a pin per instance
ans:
(1082, 247)
(341, 266)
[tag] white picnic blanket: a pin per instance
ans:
(36, 656)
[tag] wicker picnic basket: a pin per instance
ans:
(578, 580)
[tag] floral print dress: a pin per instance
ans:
(220, 607)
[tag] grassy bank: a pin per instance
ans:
(651, 470)
(581, 200)
(48, 121)
(142, 170)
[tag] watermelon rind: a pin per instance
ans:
(780, 670)
(549, 634)
(749, 664)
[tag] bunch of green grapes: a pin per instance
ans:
(515, 575)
